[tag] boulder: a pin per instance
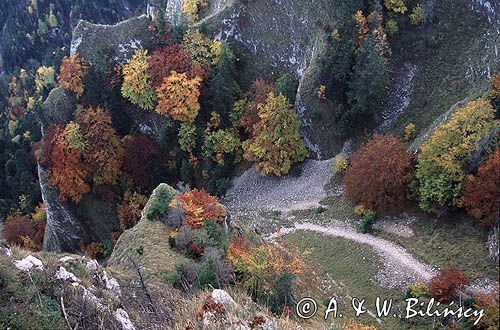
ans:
(29, 263)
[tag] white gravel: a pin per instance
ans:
(251, 191)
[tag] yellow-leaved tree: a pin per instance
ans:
(440, 163)
(136, 85)
(178, 97)
(397, 6)
(276, 143)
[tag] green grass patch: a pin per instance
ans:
(348, 269)
(458, 243)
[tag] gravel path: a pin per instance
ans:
(251, 191)
(400, 268)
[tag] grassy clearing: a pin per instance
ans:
(347, 269)
(454, 243)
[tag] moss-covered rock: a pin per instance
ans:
(146, 245)
(59, 107)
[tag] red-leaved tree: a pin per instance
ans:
(171, 58)
(481, 192)
(446, 285)
(380, 173)
(138, 150)
(22, 231)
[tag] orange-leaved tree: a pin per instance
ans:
(73, 69)
(276, 143)
(199, 207)
(260, 267)
(68, 172)
(380, 173)
(178, 97)
(481, 192)
(103, 153)
(129, 211)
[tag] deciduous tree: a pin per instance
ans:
(481, 192)
(103, 152)
(139, 150)
(178, 97)
(445, 286)
(67, 172)
(72, 71)
(136, 85)
(380, 173)
(276, 143)
(199, 207)
(439, 169)
(129, 211)
(257, 94)
(397, 6)
(171, 58)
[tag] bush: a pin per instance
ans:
(94, 250)
(20, 230)
(199, 207)
(410, 131)
(416, 291)
(445, 286)
(129, 211)
(159, 202)
(340, 164)
(379, 174)
(366, 225)
(206, 276)
(354, 325)
(490, 304)
(391, 27)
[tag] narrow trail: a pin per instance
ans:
(400, 268)
(252, 194)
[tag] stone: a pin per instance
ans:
(223, 297)
(29, 263)
(92, 265)
(63, 274)
(66, 259)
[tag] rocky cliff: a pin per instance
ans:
(447, 59)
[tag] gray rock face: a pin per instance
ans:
(63, 231)
(93, 218)
(493, 245)
(58, 107)
(123, 38)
